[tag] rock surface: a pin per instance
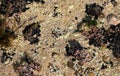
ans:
(57, 24)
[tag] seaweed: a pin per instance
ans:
(89, 21)
(86, 21)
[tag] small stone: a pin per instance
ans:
(112, 19)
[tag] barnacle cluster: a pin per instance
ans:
(6, 56)
(96, 36)
(114, 2)
(26, 66)
(9, 7)
(72, 47)
(32, 32)
(113, 38)
(7, 35)
(99, 36)
(78, 52)
(109, 37)
(93, 11)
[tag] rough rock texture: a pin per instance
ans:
(57, 25)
